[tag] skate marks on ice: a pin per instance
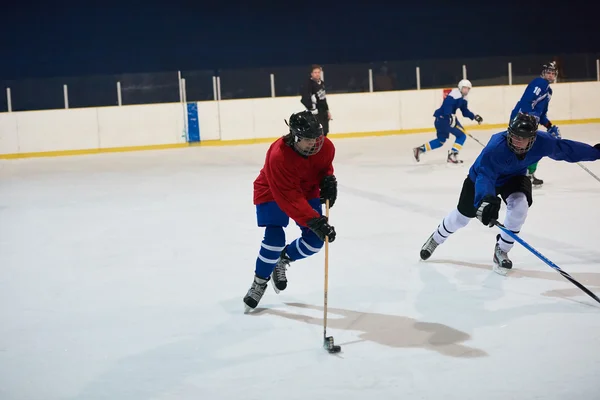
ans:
(589, 279)
(539, 242)
(387, 330)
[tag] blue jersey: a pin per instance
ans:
(535, 100)
(453, 102)
(497, 163)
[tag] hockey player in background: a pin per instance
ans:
(297, 178)
(500, 170)
(314, 98)
(535, 101)
(447, 123)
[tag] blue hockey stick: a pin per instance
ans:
(544, 259)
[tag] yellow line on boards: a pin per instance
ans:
(239, 142)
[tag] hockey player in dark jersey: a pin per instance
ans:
(501, 170)
(314, 98)
(535, 101)
(446, 123)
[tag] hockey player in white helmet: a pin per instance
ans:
(447, 123)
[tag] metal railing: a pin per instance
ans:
(206, 85)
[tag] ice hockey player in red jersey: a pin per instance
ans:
(297, 178)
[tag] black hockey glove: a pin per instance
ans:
(321, 228)
(329, 189)
(478, 119)
(488, 210)
(597, 146)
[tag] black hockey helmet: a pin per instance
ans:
(522, 132)
(550, 69)
(306, 133)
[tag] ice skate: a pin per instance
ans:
(255, 293)
(502, 264)
(279, 280)
(428, 248)
(453, 157)
(417, 153)
(535, 181)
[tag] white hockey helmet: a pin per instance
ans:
(464, 83)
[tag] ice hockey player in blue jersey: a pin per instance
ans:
(535, 101)
(447, 123)
(501, 170)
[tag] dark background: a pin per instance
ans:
(90, 46)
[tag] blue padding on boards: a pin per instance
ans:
(193, 123)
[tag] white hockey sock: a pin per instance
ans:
(453, 222)
(516, 213)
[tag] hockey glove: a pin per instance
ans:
(321, 228)
(329, 189)
(488, 210)
(478, 119)
(554, 131)
(597, 146)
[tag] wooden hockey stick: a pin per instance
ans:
(328, 342)
(326, 276)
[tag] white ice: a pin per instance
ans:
(122, 277)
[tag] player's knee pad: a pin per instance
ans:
(270, 249)
(517, 208)
(274, 236)
(305, 246)
(312, 240)
(456, 220)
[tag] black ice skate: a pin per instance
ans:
(279, 280)
(428, 248)
(417, 152)
(453, 157)
(255, 293)
(535, 181)
(502, 264)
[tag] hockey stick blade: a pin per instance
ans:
(329, 345)
(545, 260)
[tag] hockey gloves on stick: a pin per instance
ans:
(329, 189)
(488, 210)
(321, 228)
(478, 119)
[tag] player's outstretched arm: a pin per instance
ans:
(571, 150)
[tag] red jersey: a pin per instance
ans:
(290, 179)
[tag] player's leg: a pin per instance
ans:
(273, 220)
(531, 175)
(457, 219)
(305, 246)
(460, 137)
(324, 121)
(516, 193)
(442, 129)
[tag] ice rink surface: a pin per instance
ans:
(122, 277)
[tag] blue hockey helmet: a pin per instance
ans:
(522, 132)
(306, 133)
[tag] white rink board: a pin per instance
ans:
(256, 119)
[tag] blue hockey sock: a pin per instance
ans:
(433, 144)
(305, 246)
(459, 142)
(270, 250)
